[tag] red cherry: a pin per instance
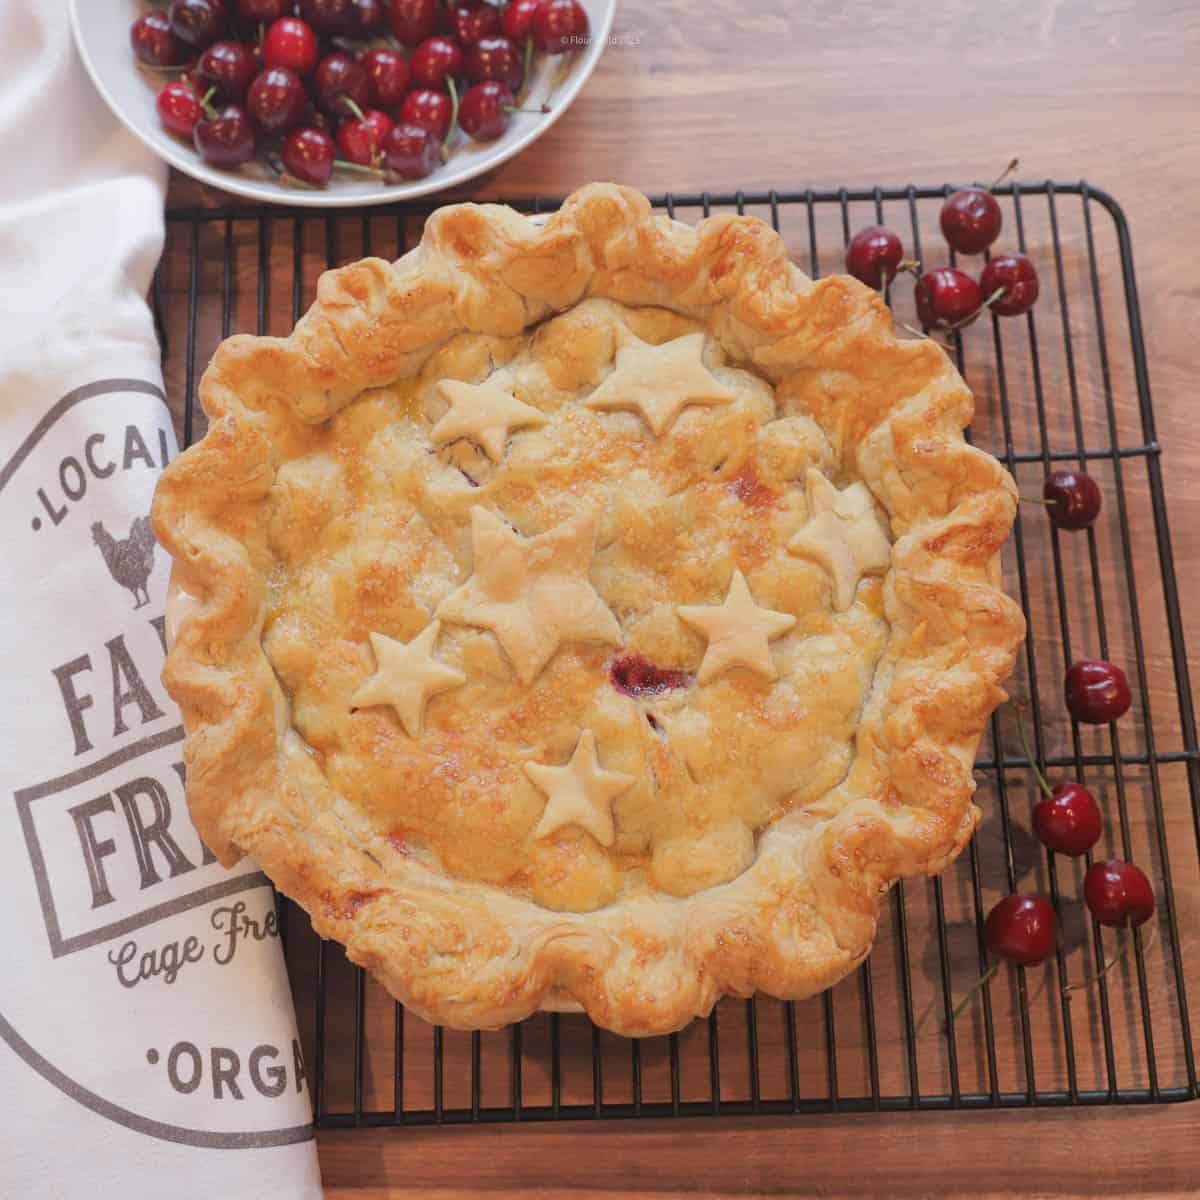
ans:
(370, 17)
(152, 40)
(947, 298)
(227, 68)
(340, 83)
(560, 25)
(329, 17)
(291, 43)
(309, 155)
(1018, 278)
(1118, 893)
(387, 77)
(411, 151)
(471, 20)
(1068, 820)
(433, 60)
(496, 58)
(971, 220)
(872, 253)
(225, 139)
(262, 12)
(1072, 498)
(516, 22)
(361, 139)
(178, 108)
(485, 111)
(277, 100)
(428, 109)
(636, 676)
(1022, 928)
(414, 20)
(199, 23)
(1097, 692)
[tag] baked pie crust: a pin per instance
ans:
(600, 613)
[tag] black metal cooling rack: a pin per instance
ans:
(1068, 383)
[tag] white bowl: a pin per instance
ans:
(101, 30)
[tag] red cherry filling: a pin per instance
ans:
(634, 676)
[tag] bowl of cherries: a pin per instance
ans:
(339, 102)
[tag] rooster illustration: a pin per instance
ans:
(129, 562)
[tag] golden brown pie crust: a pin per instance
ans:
(644, 932)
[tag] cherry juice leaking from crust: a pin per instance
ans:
(634, 676)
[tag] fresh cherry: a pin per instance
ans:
(262, 12)
(433, 60)
(387, 77)
(291, 43)
(496, 58)
(1072, 498)
(152, 40)
(227, 69)
(225, 138)
(1118, 894)
(1022, 928)
(277, 100)
(370, 17)
(329, 17)
(1068, 820)
(971, 220)
(471, 20)
(411, 151)
(199, 23)
(1097, 692)
(947, 298)
(874, 254)
(429, 110)
(560, 25)
(635, 676)
(1016, 278)
(516, 22)
(361, 139)
(413, 20)
(178, 108)
(340, 83)
(309, 155)
(485, 111)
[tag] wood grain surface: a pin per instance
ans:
(769, 93)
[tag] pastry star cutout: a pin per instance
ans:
(532, 593)
(843, 534)
(738, 632)
(406, 677)
(484, 412)
(659, 381)
(581, 793)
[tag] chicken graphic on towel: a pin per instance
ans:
(130, 561)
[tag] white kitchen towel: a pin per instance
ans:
(147, 1038)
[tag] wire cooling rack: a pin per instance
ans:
(1068, 383)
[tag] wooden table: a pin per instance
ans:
(769, 93)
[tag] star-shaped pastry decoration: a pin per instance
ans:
(484, 412)
(406, 677)
(659, 381)
(844, 534)
(738, 632)
(581, 793)
(532, 593)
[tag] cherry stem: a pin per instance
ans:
(976, 314)
(167, 69)
(206, 104)
(1012, 166)
(515, 108)
(907, 266)
(452, 87)
(528, 66)
(352, 105)
(961, 1006)
(1125, 936)
(358, 168)
(1020, 710)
